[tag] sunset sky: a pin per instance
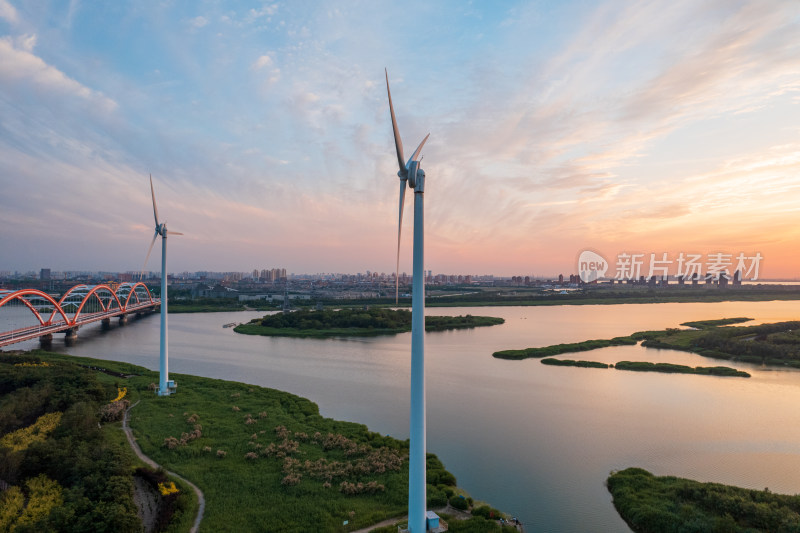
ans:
(556, 126)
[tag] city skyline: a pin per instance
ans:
(556, 127)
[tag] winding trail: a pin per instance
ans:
(201, 501)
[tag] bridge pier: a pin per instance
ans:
(46, 341)
(105, 323)
(71, 335)
(123, 319)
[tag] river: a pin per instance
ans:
(536, 441)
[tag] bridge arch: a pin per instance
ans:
(95, 291)
(20, 295)
(129, 290)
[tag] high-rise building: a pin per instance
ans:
(44, 273)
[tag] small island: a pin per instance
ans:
(557, 349)
(570, 362)
(671, 368)
(776, 344)
(354, 323)
(664, 503)
(644, 366)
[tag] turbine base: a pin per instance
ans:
(170, 388)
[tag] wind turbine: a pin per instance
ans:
(411, 174)
(165, 385)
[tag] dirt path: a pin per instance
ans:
(201, 501)
(452, 511)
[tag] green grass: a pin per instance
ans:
(287, 438)
(354, 322)
(250, 494)
(650, 504)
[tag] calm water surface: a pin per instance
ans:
(534, 440)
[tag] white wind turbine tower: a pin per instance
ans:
(412, 174)
(165, 385)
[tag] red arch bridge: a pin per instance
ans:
(80, 305)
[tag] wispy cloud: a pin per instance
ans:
(19, 66)
(617, 124)
(8, 12)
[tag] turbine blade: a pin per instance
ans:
(147, 257)
(403, 184)
(419, 149)
(153, 194)
(173, 233)
(398, 142)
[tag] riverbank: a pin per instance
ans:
(518, 296)
(649, 503)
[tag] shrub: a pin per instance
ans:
(486, 512)
(111, 412)
(459, 502)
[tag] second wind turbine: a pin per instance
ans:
(411, 174)
(165, 385)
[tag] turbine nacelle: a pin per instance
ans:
(416, 176)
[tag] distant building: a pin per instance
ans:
(44, 273)
(205, 291)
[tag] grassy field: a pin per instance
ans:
(651, 504)
(265, 459)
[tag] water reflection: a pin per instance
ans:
(535, 440)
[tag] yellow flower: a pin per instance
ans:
(167, 488)
(120, 394)
(22, 438)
